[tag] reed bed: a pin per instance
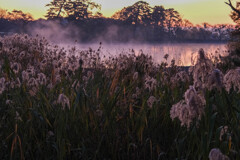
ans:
(58, 103)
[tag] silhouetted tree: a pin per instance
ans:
(235, 15)
(3, 14)
(173, 21)
(72, 9)
(138, 13)
(15, 15)
(207, 25)
(18, 14)
(56, 9)
(233, 59)
(120, 15)
(159, 16)
(187, 24)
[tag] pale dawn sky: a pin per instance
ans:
(197, 11)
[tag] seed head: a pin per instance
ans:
(41, 79)
(216, 154)
(151, 100)
(63, 101)
(192, 107)
(232, 80)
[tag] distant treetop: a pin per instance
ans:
(73, 9)
(15, 15)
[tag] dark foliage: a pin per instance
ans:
(136, 23)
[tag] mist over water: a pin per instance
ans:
(54, 31)
(183, 53)
(69, 36)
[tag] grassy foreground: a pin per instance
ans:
(58, 103)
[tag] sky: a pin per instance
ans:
(197, 11)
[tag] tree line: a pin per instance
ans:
(138, 22)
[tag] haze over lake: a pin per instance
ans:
(183, 53)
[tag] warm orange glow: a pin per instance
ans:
(197, 11)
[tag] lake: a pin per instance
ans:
(183, 53)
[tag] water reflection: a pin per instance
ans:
(184, 54)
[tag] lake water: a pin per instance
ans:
(183, 53)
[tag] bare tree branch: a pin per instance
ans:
(229, 3)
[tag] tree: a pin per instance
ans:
(159, 16)
(120, 15)
(233, 59)
(15, 15)
(138, 13)
(235, 15)
(72, 9)
(56, 9)
(207, 25)
(3, 14)
(18, 14)
(173, 21)
(81, 9)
